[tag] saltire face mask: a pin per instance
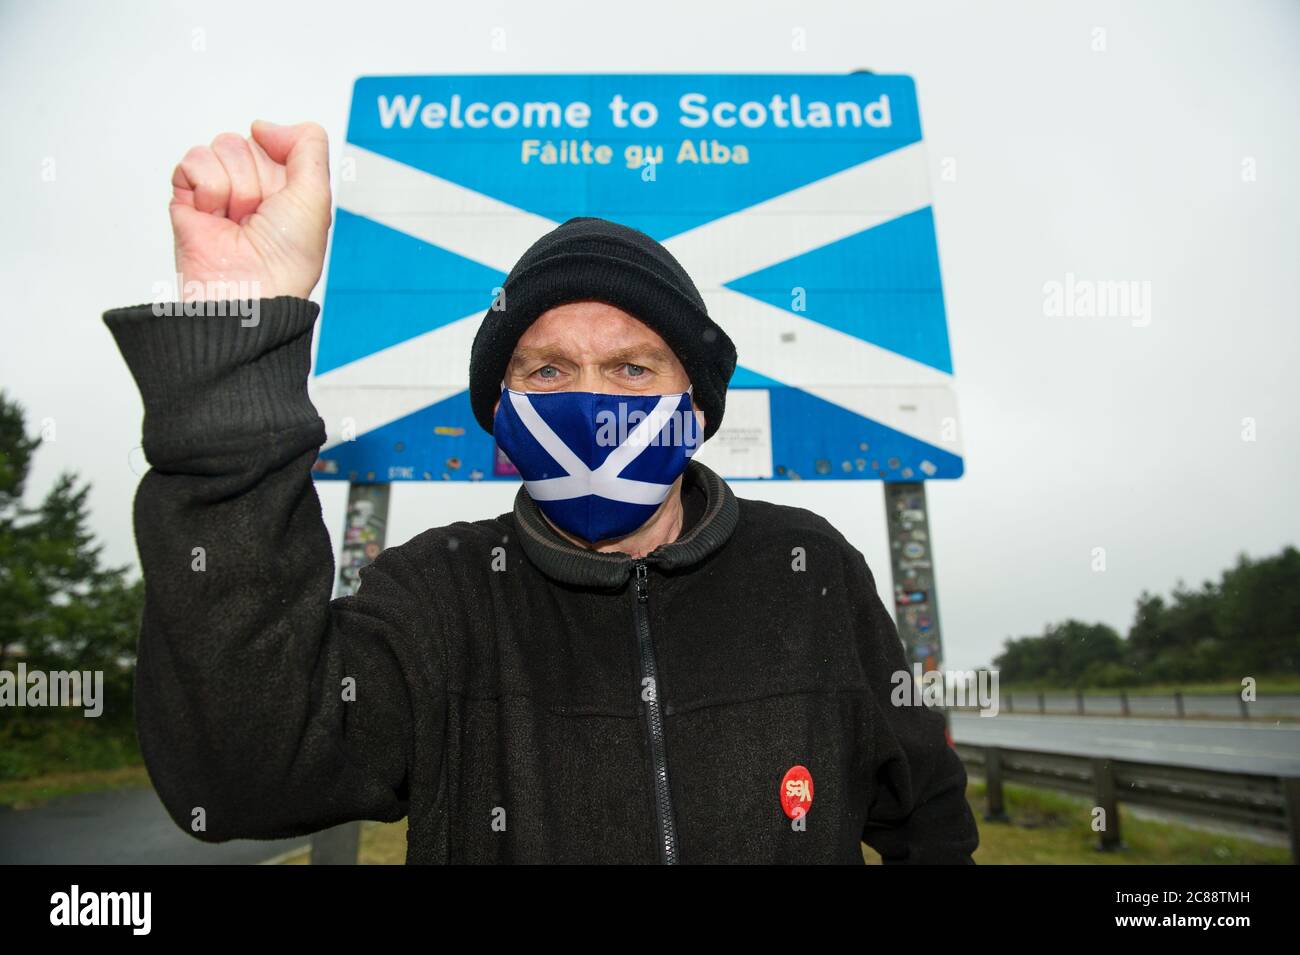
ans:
(597, 465)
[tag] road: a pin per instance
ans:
(119, 826)
(1234, 746)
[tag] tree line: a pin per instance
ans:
(1246, 624)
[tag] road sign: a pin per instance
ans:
(799, 204)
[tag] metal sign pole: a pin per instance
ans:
(363, 540)
(916, 601)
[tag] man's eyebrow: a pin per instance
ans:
(652, 352)
(526, 354)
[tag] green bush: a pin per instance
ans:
(63, 743)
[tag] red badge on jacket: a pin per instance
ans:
(796, 791)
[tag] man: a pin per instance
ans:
(632, 666)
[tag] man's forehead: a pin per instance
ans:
(590, 330)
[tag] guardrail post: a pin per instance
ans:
(995, 811)
(1202, 792)
(1123, 703)
(1291, 797)
(1078, 698)
(1178, 704)
(1245, 713)
(1010, 704)
(1103, 780)
(1042, 703)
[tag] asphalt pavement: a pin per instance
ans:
(1272, 748)
(117, 827)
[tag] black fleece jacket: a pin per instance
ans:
(518, 698)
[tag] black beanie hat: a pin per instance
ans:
(590, 258)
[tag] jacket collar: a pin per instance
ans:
(570, 564)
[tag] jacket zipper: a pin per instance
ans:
(667, 828)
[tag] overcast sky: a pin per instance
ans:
(1146, 142)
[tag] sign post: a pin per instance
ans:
(916, 598)
(363, 540)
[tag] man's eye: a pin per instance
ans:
(541, 371)
(634, 373)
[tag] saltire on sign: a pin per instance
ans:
(800, 205)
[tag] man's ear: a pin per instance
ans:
(699, 416)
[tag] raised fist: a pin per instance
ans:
(250, 216)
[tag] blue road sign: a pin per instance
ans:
(800, 205)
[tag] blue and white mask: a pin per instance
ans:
(597, 465)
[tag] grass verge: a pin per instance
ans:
(30, 793)
(1049, 828)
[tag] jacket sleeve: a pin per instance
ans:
(264, 709)
(918, 813)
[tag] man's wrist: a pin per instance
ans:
(232, 288)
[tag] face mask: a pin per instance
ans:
(597, 465)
